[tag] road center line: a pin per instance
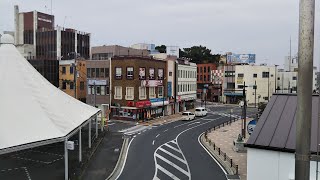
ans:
(166, 130)
(153, 142)
(193, 123)
(158, 135)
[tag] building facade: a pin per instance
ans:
(105, 52)
(205, 88)
(260, 76)
(98, 82)
(139, 88)
(186, 85)
(69, 70)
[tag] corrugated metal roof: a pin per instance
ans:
(276, 129)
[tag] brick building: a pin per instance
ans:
(139, 87)
(204, 81)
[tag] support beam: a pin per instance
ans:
(66, 160)
(80, 146)
(304, 103)
(96, 126)
(89, 133)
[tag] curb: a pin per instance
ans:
(120, 161)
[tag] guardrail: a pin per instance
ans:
(222, 155)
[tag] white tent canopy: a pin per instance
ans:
(33, 112)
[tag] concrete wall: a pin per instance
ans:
(275, 165)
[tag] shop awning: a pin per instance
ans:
(156, 104)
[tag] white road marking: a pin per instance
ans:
(224, 171)
(158, 135)
(166, 172)
(172, 164)
(166, 130)
(111, 124)
(27, 172)
(24, 168)
(125, 159)
(193, 123)
(172, 155)
(153, 142)
(168, 145)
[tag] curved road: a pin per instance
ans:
(173, 151)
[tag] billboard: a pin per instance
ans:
(241, 58)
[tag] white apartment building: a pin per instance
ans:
(187, 85)
(287, 78)
(236, 76)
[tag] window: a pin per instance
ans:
(240, 75)
(160, 73)
(265, 74)
(81, 85)
(142, 93)
(152, 92)
(204, 78)
(88, 73)
(197, 69)
(204, 69)
(160, 91)
(151, 73)
(255, 75)
(200, 77)
(170, 73)
(97, 72)
(240, 86)
(197, 77)
(107, 90)
(271, 75)
(208, 68)
(129, 72)
(118, 72)
(208, 77)
(129, 93)
(63, 70)
(294, 78)
(278, 78)
(71, 70)
(102, 72)
(93, 72)
(117, 92)
(98, 88)
(103, 90)
(265, 98)
(64, 85)
(106, 71)
(71, 85)
(142, 73)
(201, 69)
(89, 90)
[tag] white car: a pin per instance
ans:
(187, 116)
(200, 111)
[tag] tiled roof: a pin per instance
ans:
(276, 128)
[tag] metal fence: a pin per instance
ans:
(222, 155)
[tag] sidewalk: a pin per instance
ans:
(223, 138)
(105, 158)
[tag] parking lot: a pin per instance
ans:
(46, 162)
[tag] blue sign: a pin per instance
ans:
(153, 100)
(241, 58)
(251, 125)
(169, 89)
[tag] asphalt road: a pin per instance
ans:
(173, 151)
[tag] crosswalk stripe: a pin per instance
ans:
(167, 173)
(172, 164)
(168, 145)
(172, 155)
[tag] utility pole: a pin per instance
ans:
(268, 84)
(304, 94)
(255, 94)
(275, 79)
(94, 89)
(244, 111)
(75, 78)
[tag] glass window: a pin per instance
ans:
(170, 73)
(201, 69)
(71, 70)
(103, 90)
(64, 85)
(71, 85)
(265, 74)
(152, 92)
(255, 75)
(208, 77)
(102, 72)
(240, 75)
(118, 92)
(204, 69)
(160, 91)
(200, 77)
(107, 90)
(129, 93)
(81, 85)
(129, 72)
(63, 70)
(294, 78)
(160, 73)
(106, 71)
(89, 89)
(98, 88)
(93, 72)
(151, 73)
(97, 72)
(142, 93)
(142, 73)
(118, 73)
(88, 73)
(208, 68)
(204, 78)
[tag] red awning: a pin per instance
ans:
(142, 104)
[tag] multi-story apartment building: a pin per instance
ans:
(204, 82)
(98, 82)
(187, 85)
(139, 87)
(69, 71)
(105, 52)
(287, 78)
(236, 76)
(216, 89)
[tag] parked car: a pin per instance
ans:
(200, 111)
(187, 116)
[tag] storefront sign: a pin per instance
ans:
(157, 100)
(142, 104)
(151, 83)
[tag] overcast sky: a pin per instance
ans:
(262, 27)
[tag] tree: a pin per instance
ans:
(162, 48)
(199, 54)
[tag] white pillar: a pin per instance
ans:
(89, 133)
(80, 146)
(96, 126)
(65, 159)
